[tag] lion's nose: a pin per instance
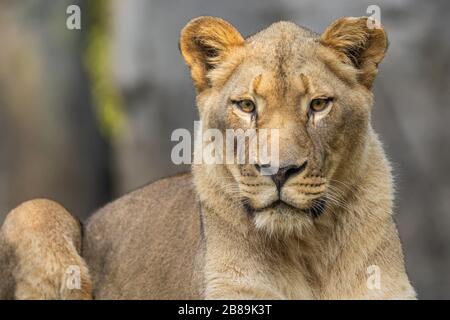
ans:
(284, 173)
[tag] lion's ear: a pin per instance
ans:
(361, 42)
(204, 43)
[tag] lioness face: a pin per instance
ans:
(315, 90)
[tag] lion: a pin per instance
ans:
(320, 227)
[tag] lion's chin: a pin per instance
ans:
(283, 219)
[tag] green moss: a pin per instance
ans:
(108, 102)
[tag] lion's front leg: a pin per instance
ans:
(41, 253)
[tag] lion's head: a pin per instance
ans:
(316, 89)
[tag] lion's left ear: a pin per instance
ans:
(360, 42)
(204, 43)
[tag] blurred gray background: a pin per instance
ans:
(86, 116)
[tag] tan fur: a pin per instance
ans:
(46, 241)
(217, 233)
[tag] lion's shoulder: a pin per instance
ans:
(142, 233)
(167, 191)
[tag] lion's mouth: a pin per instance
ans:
(315, 210)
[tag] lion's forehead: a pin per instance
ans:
(282, 79)
(283, 52)
(282, 30)
(282, 43)
(280, 63)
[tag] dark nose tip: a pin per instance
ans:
(284, 173)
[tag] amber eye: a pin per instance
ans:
(247, 106)
(319, 104)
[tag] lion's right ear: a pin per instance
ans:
(204, 43)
